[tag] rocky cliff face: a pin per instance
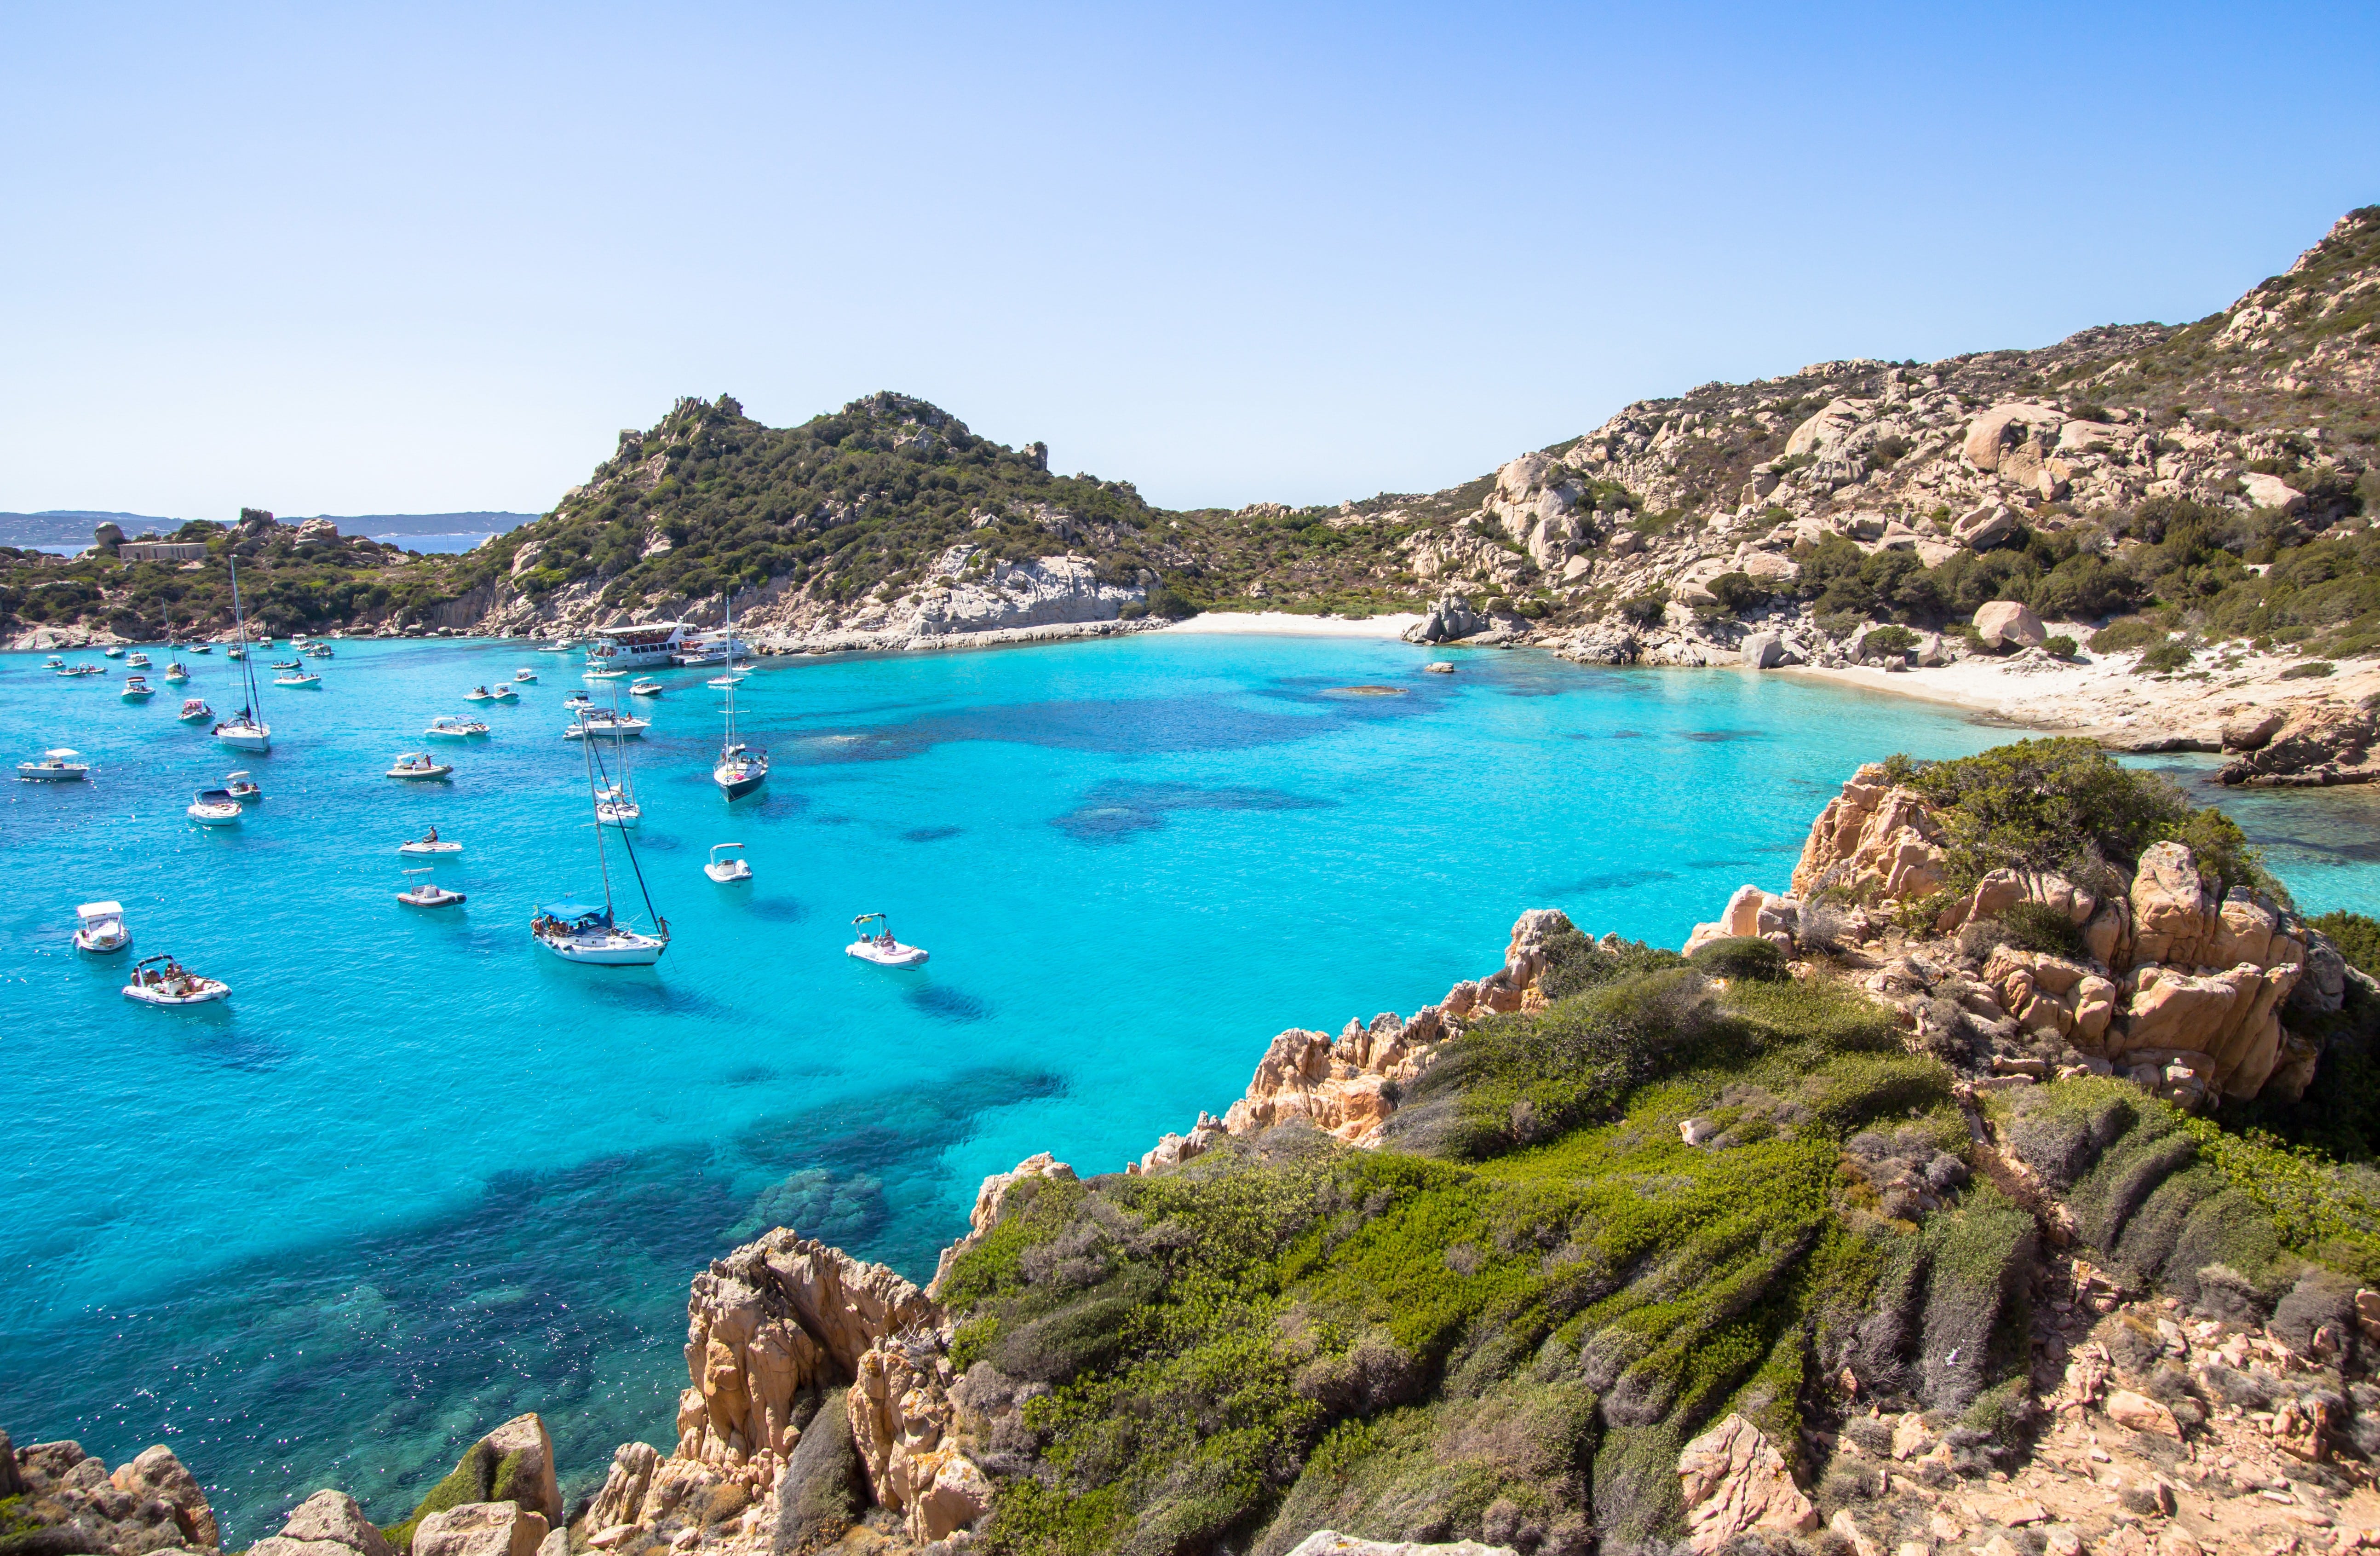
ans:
(2183, 993)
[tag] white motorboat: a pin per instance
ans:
(101, 927)
(428, 894)
(419, 765)
(242, 787)
(559, 646)
(602, 721)
(430, 846)
(880, 947)
(114, 650)
(322, 650)
(246, 730)
(57, 765)
(299, 679)
(55, 661)
(524, 673)
(725, 866)
(582, 932)
(135, 661)
(195, 711)
(446, 726)
(161, 981)
(478, 694)
(287, 664)
(605, 674)
(177, 673)
(137, 689)
(215, 808)
(76, 671)
(578, 699)
(203, 648)
(235, 653)
(504, 692)
(646, 687)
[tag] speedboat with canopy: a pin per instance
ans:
(428, 894)
(727, 864)
(878, 945)
(58, 765)
(524, 673)
(582, 932)
(502, 692)
(216, 808)
(246, 730)
(739, 769)
(137, 689)
(242, 787)
(195, 711)
(478, 694)
(135, 661)
(100, 927)
(161, 981)
(446, 726)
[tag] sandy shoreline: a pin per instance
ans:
(1285, 624)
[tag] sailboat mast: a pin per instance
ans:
(239, 631)
(587, 744)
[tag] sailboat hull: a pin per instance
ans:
(736, 784)
(259, 741)
(611, 948)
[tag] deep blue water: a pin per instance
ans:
(416, 1176)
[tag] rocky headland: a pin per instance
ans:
(1945, 1199)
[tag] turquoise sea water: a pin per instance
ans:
(416, 1176)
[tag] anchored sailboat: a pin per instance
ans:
(246, 730)
(739, 769)
(581, 932)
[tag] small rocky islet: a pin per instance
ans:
(1943, 1198)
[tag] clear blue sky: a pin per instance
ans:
(421, 257)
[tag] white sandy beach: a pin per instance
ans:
(1285, 624)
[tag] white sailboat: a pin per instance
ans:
(582, 932)
(733, 674)
(739, 769)
(246, 730)
(616, 802)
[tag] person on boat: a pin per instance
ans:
(433, 837)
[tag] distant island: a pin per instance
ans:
(55, 528)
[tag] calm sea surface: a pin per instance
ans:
(416, 1176)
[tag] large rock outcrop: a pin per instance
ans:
(2179, 990)
(2315, 744)
(1732, 1480)
(326, 1523)
(149, 1504)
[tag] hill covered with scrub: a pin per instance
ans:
(1849, 1227)
(2168, 493)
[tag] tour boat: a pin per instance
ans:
(100, 929)
(881, 947)
(580, 933)
(524, 673)
(739, 769)
(195, 711)
(646, 687)
(242, 787)
(135, 661)
(504, 692)
(430, 846)
(137, 689)
(114, 650)
(177, 673)
(215, 808)
(56, 766)
(446, 726)
(297, 678)
(731, 868)
(55, 661)
(478, 694)
(416, 765)
(161, 981)
(244, 731)
(603, 721)
(428, 894)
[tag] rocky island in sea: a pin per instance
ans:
(1978, 1189)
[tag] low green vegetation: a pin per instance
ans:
(479, 1477)
(1517, 1313)
(2068, 806)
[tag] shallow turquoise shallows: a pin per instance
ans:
(416, 1176)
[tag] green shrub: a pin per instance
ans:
(1737, 591)
(1889, 641)
(1745, 956)
(2033, 926)
(2131, 632)
(1172, 604)
(2164, 659)
(2060, 646)
(2357, 937)
(1644, 609)
(2313, 669)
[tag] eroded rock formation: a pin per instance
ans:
(150, 1503)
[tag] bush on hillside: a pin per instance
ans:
(2311, 671)
(2131, 632)
(1743, 957)
(2164, 659)
(2060, 646)
(1889, 641)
